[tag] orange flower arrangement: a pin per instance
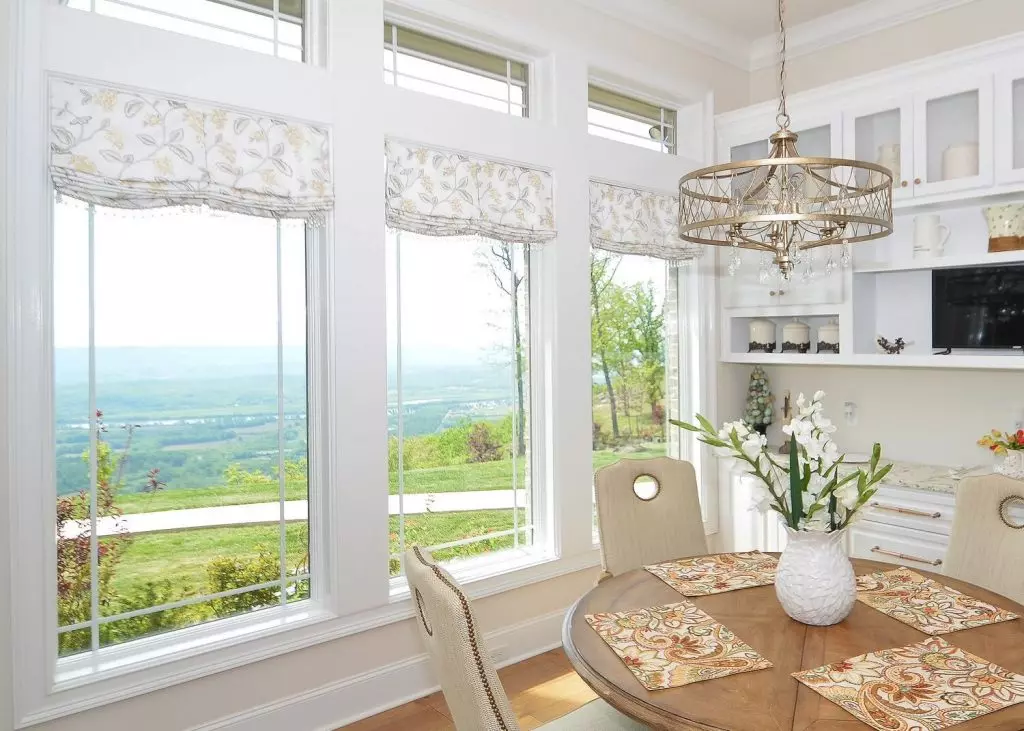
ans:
(1000, 442)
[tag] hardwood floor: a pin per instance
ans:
(540, 689)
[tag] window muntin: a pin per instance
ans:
(253, 24)
(458, 397)
(180, 413)
(453, 71)
(633, 121)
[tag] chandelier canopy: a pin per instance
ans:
(785, 204)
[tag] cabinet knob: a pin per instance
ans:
(779, 293)
(903, 184)
(917, 181)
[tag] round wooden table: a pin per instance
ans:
(770, 700)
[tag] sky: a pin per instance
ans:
(168, 278)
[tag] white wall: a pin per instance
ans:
(964, 25)
(933, 416)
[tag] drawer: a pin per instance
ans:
(892, 544)
(915, 509)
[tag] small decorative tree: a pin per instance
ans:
(759, 412)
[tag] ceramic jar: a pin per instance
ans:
(888, 157)
(828, 337)
(762, 337)
(960, 161)
(815, 583)
(1005, 227)
(796, 337)
(1012, 464)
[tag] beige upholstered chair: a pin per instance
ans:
(640, 530)
(464, 669)
(985, 548)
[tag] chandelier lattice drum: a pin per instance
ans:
(786, 204)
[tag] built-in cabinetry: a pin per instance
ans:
(902, 525)
(952, 130)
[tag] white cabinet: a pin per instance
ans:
(882, 132)
(910, 548)
(953, 135)
(748, 286)
(1009, 126)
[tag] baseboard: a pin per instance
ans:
(356, 697)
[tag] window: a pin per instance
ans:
(646, 359)
(458, 396)
(274, 27)
(180, 420)
(635, 122)
(453, 71)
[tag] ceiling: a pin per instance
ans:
(752, 19)
(744, 32)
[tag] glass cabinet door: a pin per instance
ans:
(953, 137)
(883, 134)
(1009, 127)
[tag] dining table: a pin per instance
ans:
(771, 699)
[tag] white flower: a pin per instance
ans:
(818, 396)
(816, 485)
(817, 524)
(848, 495)
(722, 451)
(822, 423)
(752, 445)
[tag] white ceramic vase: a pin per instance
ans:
(815, 582)
(1012, 464)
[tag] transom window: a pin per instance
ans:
(453, 71)
(274, 27)
(626, 119)
(458, 396)
(180, 420)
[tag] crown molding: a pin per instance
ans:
(841, 26)
(662, 18)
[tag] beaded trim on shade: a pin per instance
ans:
(444, 193)
(128, 149)
(633, 221)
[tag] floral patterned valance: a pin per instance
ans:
(128, 149)
(633, 221)
(444, 193)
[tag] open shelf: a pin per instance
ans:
(1009, 362)
(941, 262)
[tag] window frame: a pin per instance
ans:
(624, 105)
(456, 44)
(541, 548)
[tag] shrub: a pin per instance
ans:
(225, 573)
(483, 444)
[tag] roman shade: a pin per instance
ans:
(634, 221)
(130, 149)
(439, 192)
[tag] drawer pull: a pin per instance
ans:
(907, 556)
(906, 511)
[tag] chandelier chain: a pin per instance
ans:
(783, 115)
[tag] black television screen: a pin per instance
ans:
(980, 307)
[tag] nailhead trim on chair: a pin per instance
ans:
(477, 658)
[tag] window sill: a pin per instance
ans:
(488, 575)
(122, 672)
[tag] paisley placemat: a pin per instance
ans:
(925, 604)
(923, 687)
(674, 645)
(704, 575)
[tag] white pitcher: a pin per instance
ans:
(930, 235)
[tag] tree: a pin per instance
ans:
(648, 341)
(603, 337)
(499, 260)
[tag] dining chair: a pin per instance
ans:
(464, 668)
(646, 521)
(987, 546)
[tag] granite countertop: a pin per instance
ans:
(928, 477)
(933, 478)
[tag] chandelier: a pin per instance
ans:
(786, 204)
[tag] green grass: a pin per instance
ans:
(207, 497)
(431, 529)
(181, 556)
